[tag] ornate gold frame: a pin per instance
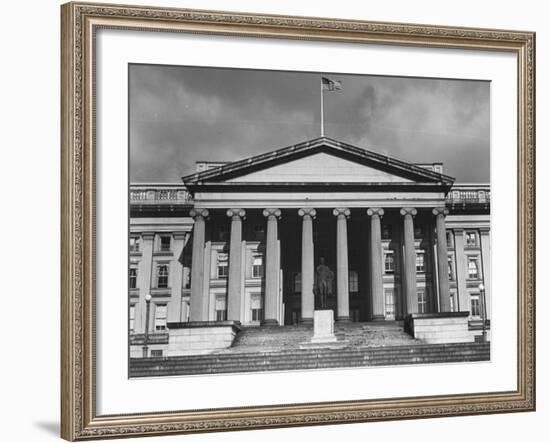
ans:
(79, 420)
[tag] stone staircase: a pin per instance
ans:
(270, 338)
(277, 338)
(374, 334)
(278, 348)
(305, 359)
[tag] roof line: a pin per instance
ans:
(289, 150)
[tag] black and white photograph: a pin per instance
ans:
(283, 220)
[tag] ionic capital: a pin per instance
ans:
(236, 214)
(311, 212)
(375, 211)
(408, 211)
(345, 212)
(440, 211)
(199, 213)
(272, 212)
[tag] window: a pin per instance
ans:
(475, 306)
(257, 267)
(450, 267)
(156, 352)
(132, 316)
(422, 297)
(452, 301)
(449, 239)
(134, 244)
(223, 266)
(223, 233)
(417, 231)
(389, 262)
(165, 241)
(160, 317)
(259, 232)
(471, 238)
(186, 281)
(353, 281)
(221, 309)
(133, 278)
(297, 282)
(256, 307)
(420, 261)
(162, 276)
(386, 232)
(473, 269)
(389, 300)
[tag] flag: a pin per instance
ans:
(331, 85)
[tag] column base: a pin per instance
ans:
(269, 322)
(306, 321)
(344, 319)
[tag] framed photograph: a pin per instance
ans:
(283, 221)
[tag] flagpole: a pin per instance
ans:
(322, 112)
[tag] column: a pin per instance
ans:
(197, 300)
(144, 281)
(234, 284)
(409, 260)
(486, 266)
(376, 282)
(271, 306)
(442, 259)
(176, 267)
(342, 271)
(308, 298)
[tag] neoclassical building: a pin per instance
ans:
(241, 241)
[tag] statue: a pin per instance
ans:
(323, 283)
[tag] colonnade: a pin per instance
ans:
(308, 214)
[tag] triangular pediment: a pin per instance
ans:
(319, 167)
(321, 160)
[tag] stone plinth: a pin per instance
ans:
(444, 327)
(323, 326)
(201, 337)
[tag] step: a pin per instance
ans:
(243, 368)
(344, 351)
(276, 338)
(307, 359)
(298, 361)
(226, 366)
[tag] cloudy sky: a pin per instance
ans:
(179, 115)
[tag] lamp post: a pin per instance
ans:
(483, 311)
(146, 337)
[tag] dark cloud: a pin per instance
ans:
(179, 115)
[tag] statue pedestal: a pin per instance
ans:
(323, 326)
